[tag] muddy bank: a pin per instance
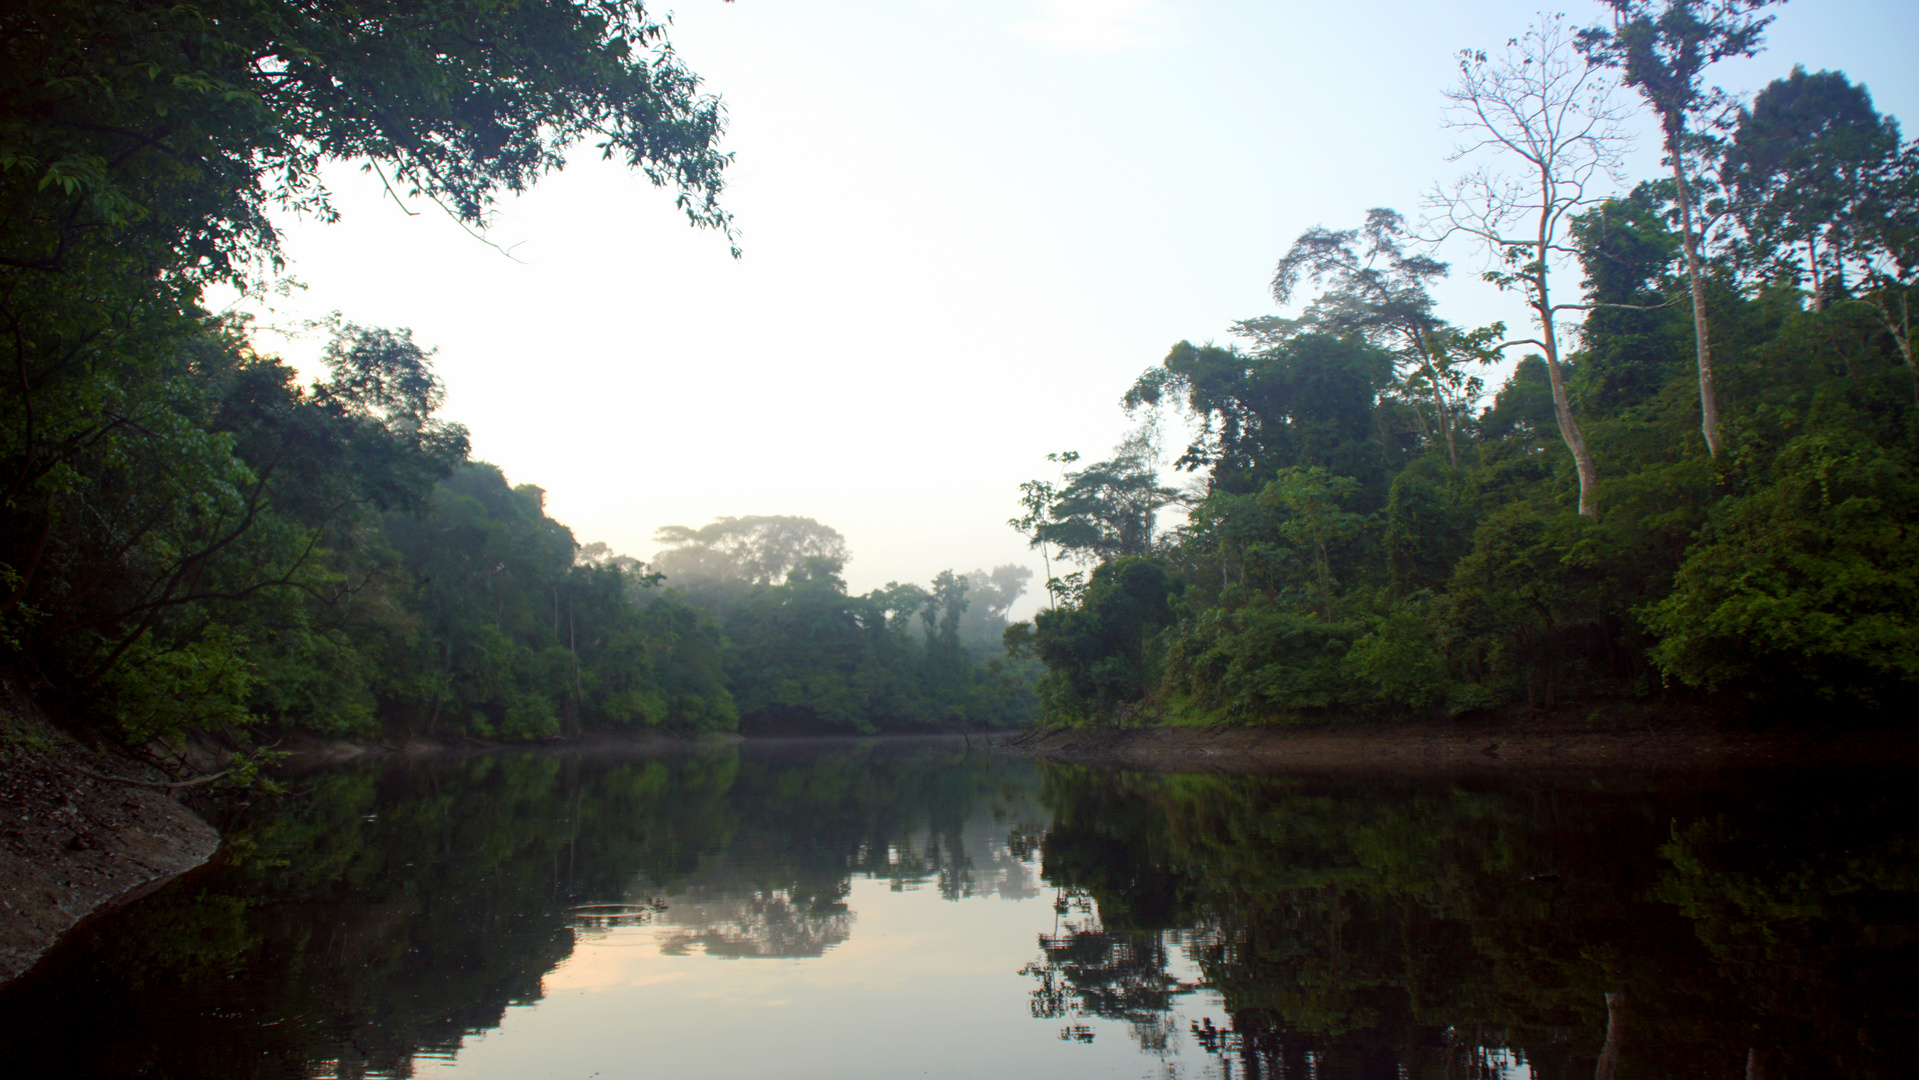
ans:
(302, 750)
(75, 840)
(1629, 741)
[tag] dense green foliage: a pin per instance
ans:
(1363, 545)
(191, 538)
(331, 561)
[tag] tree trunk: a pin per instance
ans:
(1445, 415)
(1442, 411)
(1442, 406)
(1562, 405)
(1812, 267)
(1576, 442)
(1708, 401)
(1419, 417)
(1609, 1056)
(1902, 336)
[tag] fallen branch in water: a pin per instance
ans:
(195, 782)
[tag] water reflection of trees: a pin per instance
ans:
(391, 912)
(1347, 929)
(752, 923)
(1400, 929)
(1086, 969)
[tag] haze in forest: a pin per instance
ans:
(966, 230)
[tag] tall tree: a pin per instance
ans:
(1819, 175)
(992, 596)
(1306, 400)
(1884, 244)
(1532, 102)
(757, 550)
(1663, 49)
(1378, 290)
(1800, 169)
(1105, 510)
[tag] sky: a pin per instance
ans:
(967, 228)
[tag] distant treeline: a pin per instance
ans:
(328, 558)
(803, 656)
(191, 538)
(1714, 492)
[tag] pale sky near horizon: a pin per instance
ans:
(967, 228)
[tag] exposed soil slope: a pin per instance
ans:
(72, 843)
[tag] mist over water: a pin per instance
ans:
(888, 908)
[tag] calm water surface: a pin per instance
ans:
(898, 909)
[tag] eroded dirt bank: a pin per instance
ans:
(1571, 741)
(72, 840)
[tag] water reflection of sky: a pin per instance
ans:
(914, 976)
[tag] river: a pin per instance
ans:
(899, 908)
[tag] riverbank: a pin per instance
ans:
(81, 830)
(301, 750)
(1620, 737)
